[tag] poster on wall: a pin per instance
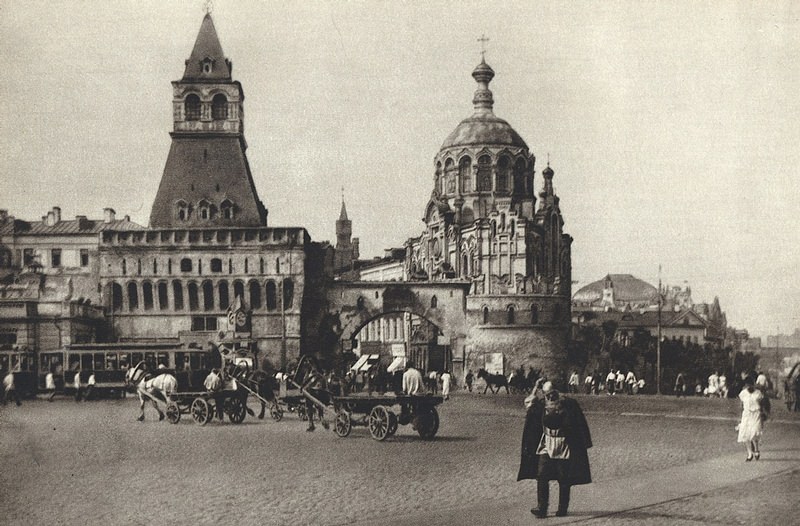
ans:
(494, 363)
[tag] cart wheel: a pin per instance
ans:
(392, 424)
(236, 410)
(173, 412)
(201, 411)
(342, 425)
(379, 422)
(276, 412)
(427, 423)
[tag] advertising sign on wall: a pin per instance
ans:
(494, 363)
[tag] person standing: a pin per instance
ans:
(630, 381)
(680, 385)
(50, 386)
(214, 385)
(446, 378)
(90, 386)
(754, 413)
(77, 383)
(610, 380)
(10, 389)
(555, 443)
(468, 380)
(574, 380)
(587, 383)
(412, 380)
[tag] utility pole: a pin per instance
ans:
(658, 342)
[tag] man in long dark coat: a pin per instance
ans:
(555, 441)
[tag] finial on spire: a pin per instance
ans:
(483, 40)
(548, 159)
(342, 194)
(208, 7)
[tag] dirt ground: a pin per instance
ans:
(93, 463)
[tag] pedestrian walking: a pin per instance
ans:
(754, 413)
(680, 385)
(587, 383)
(91, 383)
(630, 381)
(50, 386)
(446, 378)
(610, 380)
(555, 441)
(468, 380)
(10, 389)
(76, 382)
(573, 383)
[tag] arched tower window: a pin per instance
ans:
(208, 296)
(485, 315)
(288, 293)
(484, 177)
(434, 302)
(226, 209)
(203, 210)
(224, 298)
(238, 289)
(465, 174)
(510, 315)
(219, 107)
(116, 297)
(502, 174)
(147, 295)
(177, 294)
(163, 297)
(438, 182)
(194, 296)
(192, 107)
(133, 296)
(272, 295)
(255, 295)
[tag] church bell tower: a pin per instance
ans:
(207, 181)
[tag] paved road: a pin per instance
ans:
(655, 461)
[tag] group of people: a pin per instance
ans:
(612, 383)
(414, 383)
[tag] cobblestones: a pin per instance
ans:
(62, 461)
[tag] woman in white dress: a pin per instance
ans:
(752, 424)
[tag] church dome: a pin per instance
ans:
(483, 127)
(627, 289)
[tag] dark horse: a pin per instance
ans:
(259, 383)
(496, 380)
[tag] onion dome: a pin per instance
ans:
(483, 127)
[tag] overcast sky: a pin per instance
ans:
(673, 127)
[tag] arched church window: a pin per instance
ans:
(484, 178)
(434, 302)
(133, 296)
(147, 295)
(465, 174)
(203, 210)
(192, 107)
(194, 296)
(450, 176)
(208, 296)
(224, 298)
(519, 176)
(116, 297)
(510, 315)
(485, 315)
(163, 299)
(438, 181)
(182, 210)
(238, 289)
(219, 107)
(502, 174)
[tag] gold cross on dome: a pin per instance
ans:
(483, 40)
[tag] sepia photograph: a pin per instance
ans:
(448, 263)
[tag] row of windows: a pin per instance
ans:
(219, 107)
(216, 266)
(533, 315)
(204, 210)
(204, 296)
(446, 180)
(29, 257)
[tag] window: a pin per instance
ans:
(238, 289)
(272, 296)
(208, 65)
(450, 176)
(434, 302)
(224, 298)
(288, 293)
(27, 257)
(186, 265)
(502, 174)
(219, 107)
(255, 295)
(438, 182)
(465, 174)
(484, 178)
(216, 265)
(192, 107)
(226, 209)
(177, 294)
(485, 315)
(147, 295)
(133, 296)
(55, 257)
(204, 323)
(208, 296)
(163, 300)
(194, 302)
(519, 176)
(116, 297)
(84, 257)
(277, 265)
(510, 315)
(182, 210)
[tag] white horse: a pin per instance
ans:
(151, 387)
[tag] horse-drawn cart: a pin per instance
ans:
(383, 414)
(202, 405)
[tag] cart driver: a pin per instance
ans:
(412, 380)
(317, 387)
(213, 384)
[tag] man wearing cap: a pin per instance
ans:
(555, 441)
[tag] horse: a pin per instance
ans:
(259, 382)
(150, 387)
(497, 380)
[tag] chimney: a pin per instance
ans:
(50, 218)
(127, 219)
(109, 215)
(56, 214)
(82, 223)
